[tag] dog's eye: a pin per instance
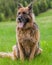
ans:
(18, 13)
(24, 12)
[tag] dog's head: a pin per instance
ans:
(24, 15)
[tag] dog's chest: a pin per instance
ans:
(26, 35)
(26, 38)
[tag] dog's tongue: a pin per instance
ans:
(20, 25)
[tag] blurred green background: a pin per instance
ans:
(43, 11)
(8, 8)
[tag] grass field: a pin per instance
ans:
(8, 39)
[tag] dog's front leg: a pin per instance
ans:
(21, 52)
(33, 51)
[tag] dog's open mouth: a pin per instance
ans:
(20, 25)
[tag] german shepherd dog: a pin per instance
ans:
(27, 35)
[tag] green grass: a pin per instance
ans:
(8, 39)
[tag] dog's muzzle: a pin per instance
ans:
(20, 22)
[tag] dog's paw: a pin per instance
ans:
(39, 51)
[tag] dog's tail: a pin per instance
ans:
(9, 55)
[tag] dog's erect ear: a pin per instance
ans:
(30, 7)
(20, 5)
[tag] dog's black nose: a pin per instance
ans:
(19, 18)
